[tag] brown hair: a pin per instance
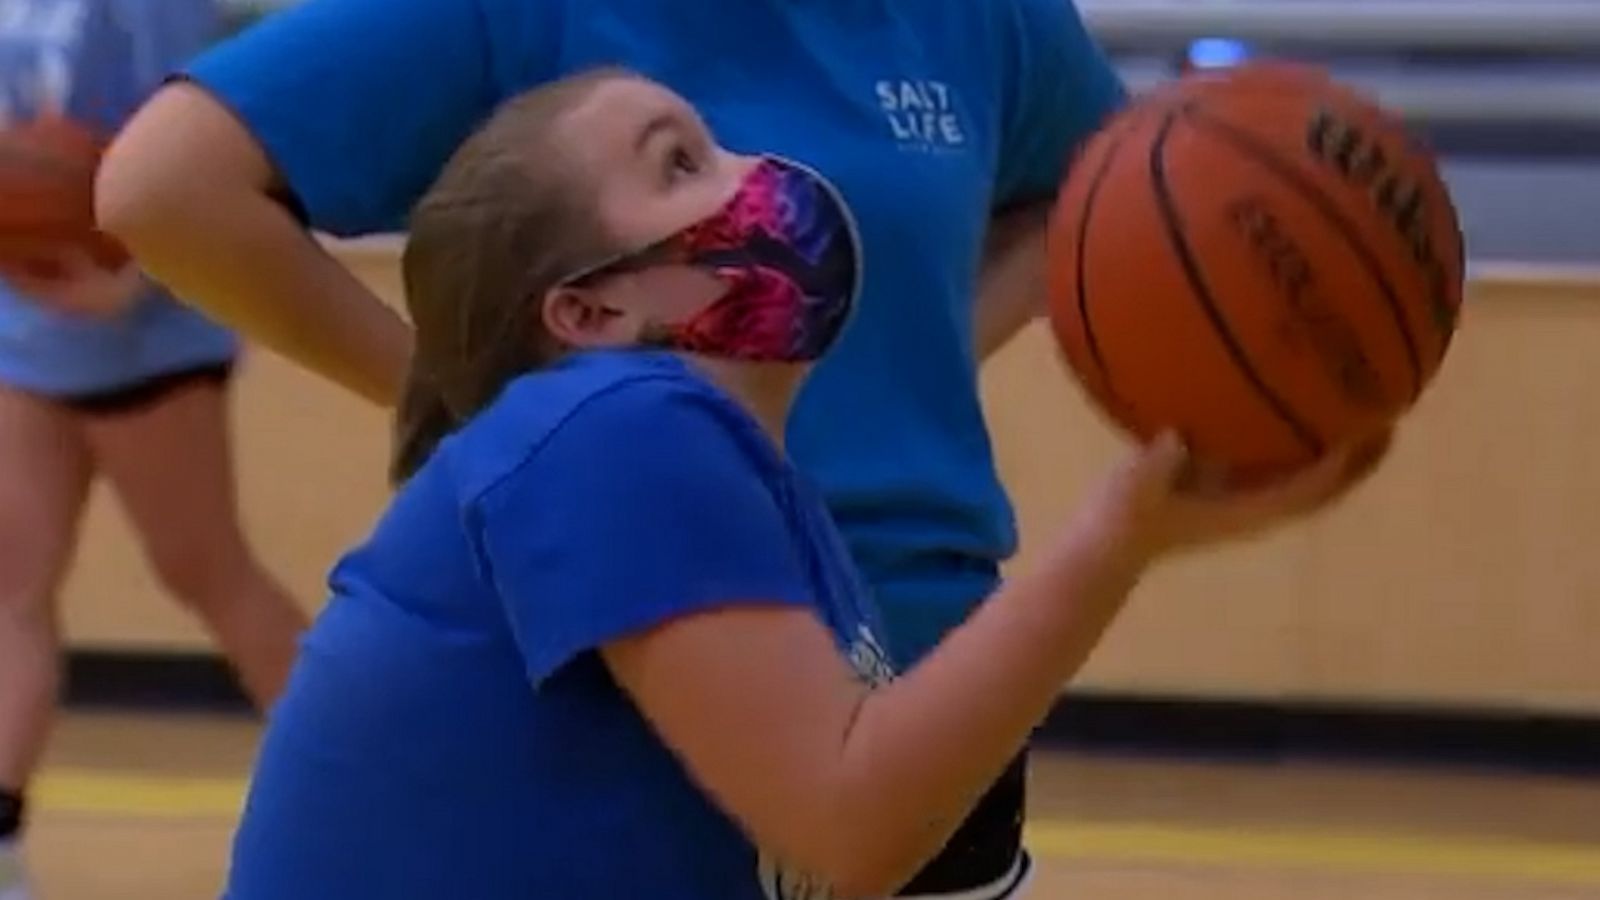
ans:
(511, 215)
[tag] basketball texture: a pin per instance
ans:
(47, 171)
(1259, 258)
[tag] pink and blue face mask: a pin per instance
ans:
(787, 249)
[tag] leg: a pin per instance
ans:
(168, 456)
(44, 478)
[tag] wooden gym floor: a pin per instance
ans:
(141, 808)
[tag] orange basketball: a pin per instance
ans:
(47, 171)
(1259, 258)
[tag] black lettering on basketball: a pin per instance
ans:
(1362, 163)
(1332, 338)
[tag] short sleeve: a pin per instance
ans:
(1062, 89)
(646, 505)
(359, 103)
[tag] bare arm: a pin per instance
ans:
(1065, 88)
(861, 788)
(190, 192)
(1011, 285)
(824, 772)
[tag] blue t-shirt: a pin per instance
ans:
(450, 706)
(95, 60)
(929, 115)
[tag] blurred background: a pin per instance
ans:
(1508, 91)
(1401, 700)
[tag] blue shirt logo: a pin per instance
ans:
(922, 114)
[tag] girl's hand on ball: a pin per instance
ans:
(70, 281)
(1160, 501)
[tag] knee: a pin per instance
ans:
(201, 576)
(27, 599)
(30, 609)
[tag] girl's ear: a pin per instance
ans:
(581, 317)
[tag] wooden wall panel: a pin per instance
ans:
(1467, 572)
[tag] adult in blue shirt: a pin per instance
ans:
(946, 123)
(606, 642)
(104, 375)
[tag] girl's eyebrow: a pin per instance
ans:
(665, 121)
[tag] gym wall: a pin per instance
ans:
(1467, 574)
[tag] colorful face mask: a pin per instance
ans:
(787, 250)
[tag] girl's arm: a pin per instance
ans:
(1062, 88)
(189, 191)
(332, 115)
(1011, 284)
(857, 787)
(861, 787)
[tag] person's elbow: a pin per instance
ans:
(861, 851)
(134, 189)
(129, 206)
(860, 875)
(171, 162)
(875, 867)
(855, 867)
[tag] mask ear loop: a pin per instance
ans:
(667, 250)
(623, 263)
(620, 264)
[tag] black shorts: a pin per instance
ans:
(145, 393)
(987, 849)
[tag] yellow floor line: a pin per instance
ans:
(79, 792)
(1365, 852)
(137, 796)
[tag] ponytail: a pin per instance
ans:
(421, 422)
(512, 214)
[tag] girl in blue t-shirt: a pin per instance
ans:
(104, 374)
(947, 124)
(605, 642)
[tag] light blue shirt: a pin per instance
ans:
(96, 60)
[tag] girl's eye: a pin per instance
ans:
(681, 162)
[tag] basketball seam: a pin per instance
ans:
(1081, 262)
(1347, 231)
(1167, 207)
